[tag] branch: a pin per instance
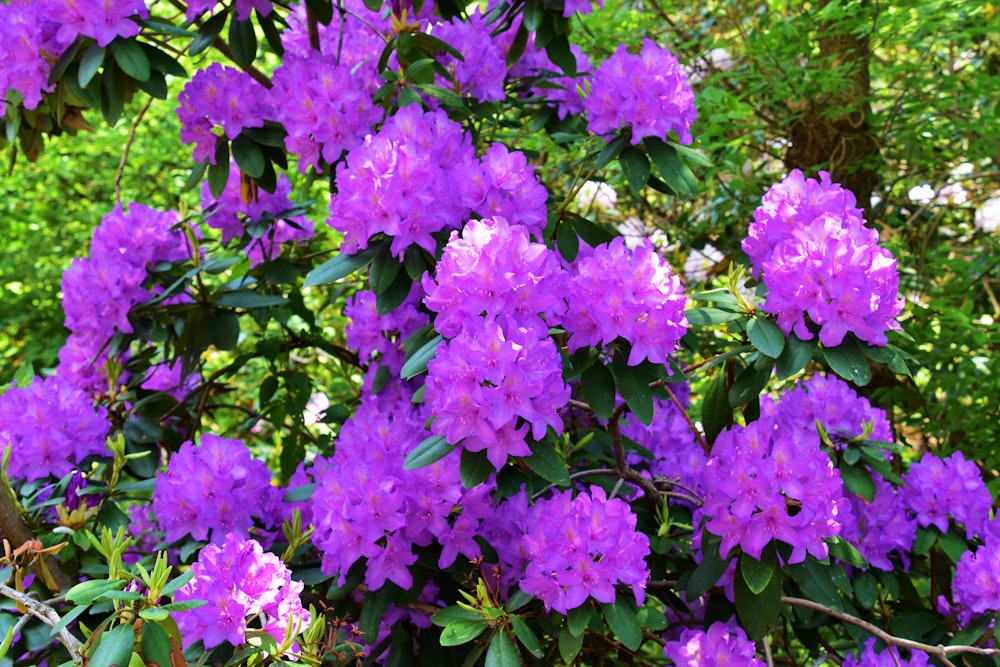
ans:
(128, 147)
(49, 617)
(694, 429)
(13, 527)
(941, 652)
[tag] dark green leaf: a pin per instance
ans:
(64, 621)
(709, 570)
(112, 93)
(474, 468)
(92, 60)
(375, 606)
(165, 28)
(849, 362)
(635, 166)
(392, 298)
(249, 157)
(323, 9)
(427, 452)
(611, 151)
(748, 384)
(249, 299)
(242, 42)
(766, 337)
(534, 12)
(115, 647)
(449, 615)
(461, 631)
(953, 545)
(623, 619)
(633, 386)
(155, 86)
(417, 362)
(547, 464)
(794, 357)
(569, 645)
(501, 652)
(567, 241)
(223, 330)
(444, 96)
(716, 411)
(558, 51)
(383, 270)
(858, 481)
(131, 58)
(672, 169)
(598, 387)
(707, 316)
(757, 574)
(866, 589)
(340, 266)
(528, 638)
(208, 33)
(578, 619)
(218, 173)
(757, 612)
(61, 66)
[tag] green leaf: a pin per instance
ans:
(578, 619)
(633, 386)
(249, 157)
(175, 584)
(115, 647)
(567, 241)
(623, 619)
(375, 606)
(547, 464)
(454, 613)
(183, 605)
(156, 646)
(598, 386)
(569, 645)
(154, 614)
(323, 10)
(709, 570)
(757, 611)
(558, 51)
(849, 362)
(953, 545)
(501, 652)
(757, 574)
(433, 448)
(444, 96)
(340, 266)
(88, 591)
(242, 42)
(417, 362)
(92, 60)
(383, 270)
(672, 169)
(527, 637)
(112, 93)
(218, 173)
(865, 589)
(707, 316)
(858, 481)
(131, 58)
(249, 299)
(66, 619)
(766, 337)
(716, 411)
(462, 631)
(223, 330)
(748, 384)
(392, 298)
(474, 468)
(208, 33)
(794, 357)
(635, 166)
(299, 493)
(611, 151)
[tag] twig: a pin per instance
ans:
(49, 617)
(940, 651)
(128, 147)
(694, 429)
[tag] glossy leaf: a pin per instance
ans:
(131, 58)
(115, 647)
(431, 449)
(502, 653)
(635, 166)
(766, 336)
(339, 267)
(622, 617)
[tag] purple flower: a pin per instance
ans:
(222, 97)
(631, 294)
(881, 526)
(101, 19)
(22, 65)
(831, 402)
(935, 489)
(213, 489)
(647, 92)
(380, 337)
(482, 70)
(723, 644)
(50, 426)
(976, 587)
(887, 658)
(196, 8)
(505, 186)
(240, 582)
(819, 259)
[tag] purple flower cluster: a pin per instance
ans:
(768, 481)
(881, 526)
(22, 66)
(819, 259)
(402, 182)
(571, 7)
(937, 489)
(236, 217)
(722, 644)
(99, 19)
(380, 337)
(240, 582)
(99, 292)
(482, 70)
(647, 92)
(633, 294)
(888, 658)
(213, 489)
(222, 97)
(366, 506)
(324, 106)
(504, 185)
(579, 548)
(545, 78)
(354, 37)
(976, 587)
(831, 402)
(499, 374)
(50, 426)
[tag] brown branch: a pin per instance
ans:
(48, 616)
(17, 532)
(940, 651)
(694, 429)
(128, 147)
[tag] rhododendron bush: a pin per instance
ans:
(461, 422)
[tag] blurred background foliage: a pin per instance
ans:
(899, 100)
